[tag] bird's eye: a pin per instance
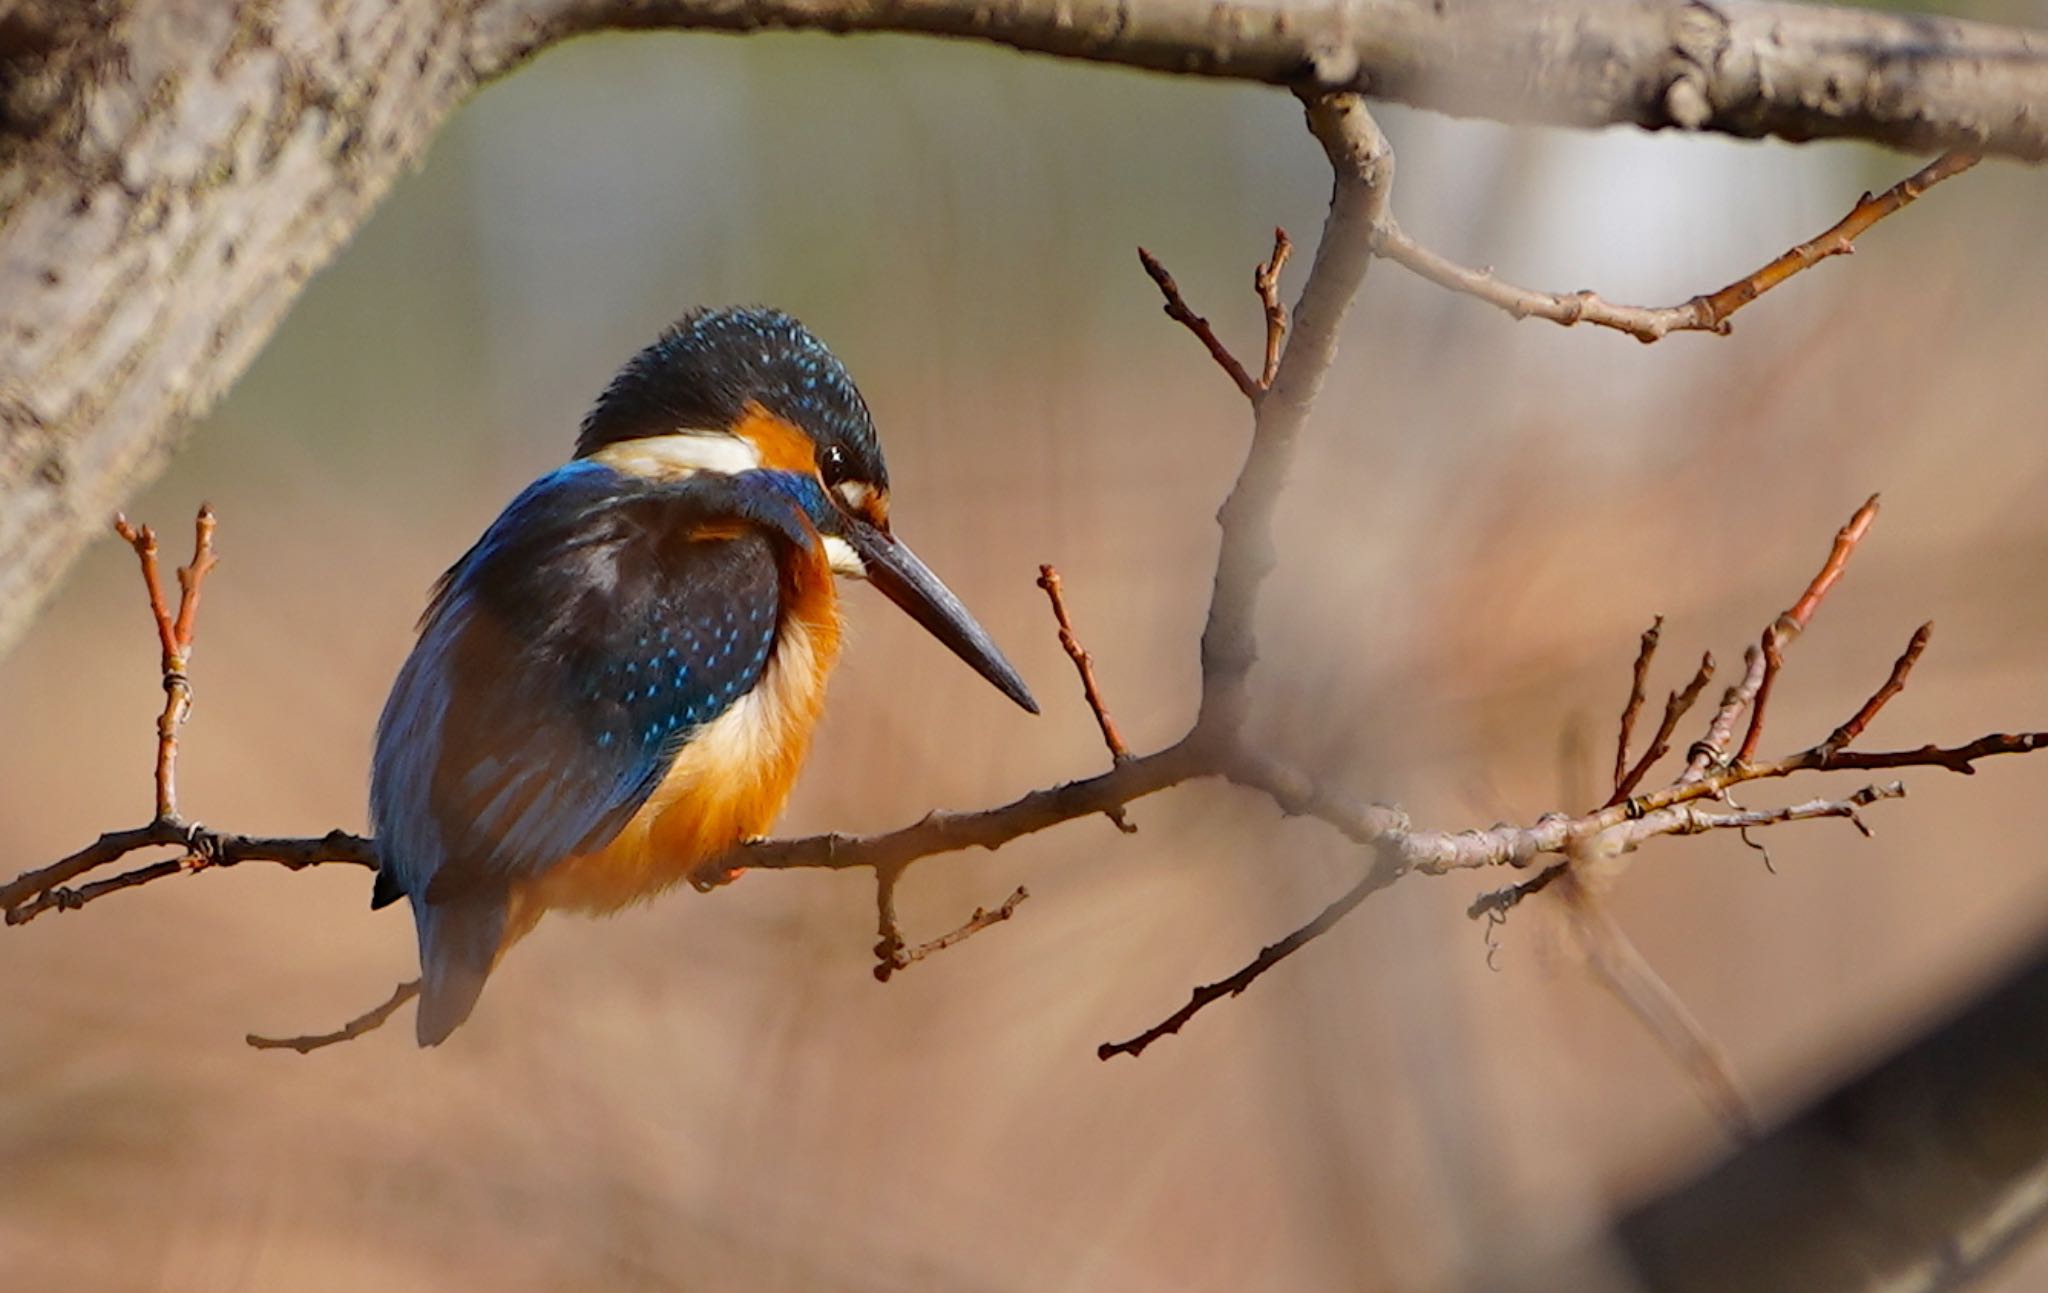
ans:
(833, 465)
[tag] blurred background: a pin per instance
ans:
(712, 1091)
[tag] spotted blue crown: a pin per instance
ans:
(704, 370)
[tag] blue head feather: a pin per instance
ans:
(703, 371)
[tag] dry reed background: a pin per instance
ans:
(712, 1092)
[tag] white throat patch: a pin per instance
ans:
(680, 453)
(845, 561)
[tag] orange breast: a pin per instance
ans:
(728, 784)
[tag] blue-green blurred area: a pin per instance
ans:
(712, 1092)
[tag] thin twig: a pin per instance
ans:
(174, 639)
(1837, 240)
(190, 577)
(1793, 622)
(1084, 664)
(1708, 752)
(1711, 749)
(980, 920)
(1774, 661)
(63, 899)
(1956, 758)
(1177, 310)
(1709, 312)
(1841, 737)
(1384, 871)
(892, 954)
(1676, 706)
(143, 541)
(1266, 279)
(367, 1022)
(1644, 654)
(1700, 820)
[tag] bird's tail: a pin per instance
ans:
(459, 942)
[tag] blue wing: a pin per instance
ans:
(598, 623)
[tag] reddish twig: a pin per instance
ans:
(1710, 749)
(192, 576)
(1384, 871)
(174, 638)
(1841, 737)
(1709, 312)
(1774, 660)
(1084, 664)
(367, 1022)
(1266, 279)
(1837, 240)
(1676, 706)
(1634, 705)
(43, 889)
(1177, 310)
(1793, 622)
(1955, 758)
(143, 541)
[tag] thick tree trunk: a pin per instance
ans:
(172, 170)
(170, 174)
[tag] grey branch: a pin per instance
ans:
(162, 201)
(1736, 67)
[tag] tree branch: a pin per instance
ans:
(369, 1021)
(1709, 312)
(1362, 166)
(117, 325)
(1607, 833)
(1740, 67)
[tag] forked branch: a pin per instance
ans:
(1619, 827)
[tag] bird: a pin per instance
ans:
(618, 681)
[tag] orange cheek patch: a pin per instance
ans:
(718, 531)
(782, 446)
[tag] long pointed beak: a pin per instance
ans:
(910, 584)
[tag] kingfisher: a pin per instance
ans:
(618, 681)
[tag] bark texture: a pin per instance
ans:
(171, 171)
(170, 174)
